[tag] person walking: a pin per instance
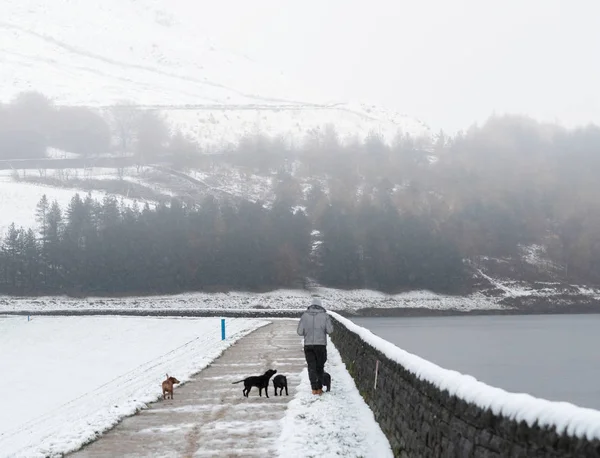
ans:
(314, 326)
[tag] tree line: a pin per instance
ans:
(31, 123)
(487, 191)
(109, 247)
(490, 191)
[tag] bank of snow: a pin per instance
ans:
(67, 379)
(333, 299)
(565, 417)
(339, 423)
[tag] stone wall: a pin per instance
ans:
(420, 420)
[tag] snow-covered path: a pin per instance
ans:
(71, 378)
(210, 417)
(339, 423)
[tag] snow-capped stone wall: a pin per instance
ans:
(425, 410)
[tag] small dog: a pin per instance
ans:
(327, 381)
(280, 381)
(259, 381)
(167, 386)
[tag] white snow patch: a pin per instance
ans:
(339, 423)
(564, 416)
(71, 378)
(336, 299)
(168, 429)
(55, 153)
(18, 201)
(537, 255)
(228, 180)
(514, 291)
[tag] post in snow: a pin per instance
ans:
(222, 328)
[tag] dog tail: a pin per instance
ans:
(239, 381)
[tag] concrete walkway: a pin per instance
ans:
(208, 415)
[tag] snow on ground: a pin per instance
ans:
(129, 174)
(154, 52)
(144, 178)
(70, 378)
(516, 289)
(236, 182)
(339, 423)
(566, 417)
(18, 200)
(362, 298)
(223, 179)
(275, 300)
(72, 173)
(537, 255)
(78, 173)
(508, 290)
(288, 299)
(293, 124)
(55, 153)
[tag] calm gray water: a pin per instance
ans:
(551, 356)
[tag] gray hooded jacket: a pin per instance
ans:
(315, 324)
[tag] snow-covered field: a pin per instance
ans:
(339, 423)
(70, 177)
(566, 417)
(66, 379)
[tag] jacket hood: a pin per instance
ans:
(314, 309)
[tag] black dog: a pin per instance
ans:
(259, 381)
(327, 381)
(280, 381)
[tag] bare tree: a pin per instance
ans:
(80, 130)
(124, 120)
(152, 135)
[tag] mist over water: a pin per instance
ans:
(550, 356)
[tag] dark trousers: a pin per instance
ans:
(316, 356)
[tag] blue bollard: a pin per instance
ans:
(27, 317)
(222, 328)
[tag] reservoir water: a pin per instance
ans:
(556, 357)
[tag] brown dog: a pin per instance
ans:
(167, 386)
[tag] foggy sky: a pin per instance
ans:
(447, 62)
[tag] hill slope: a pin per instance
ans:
(151, 54)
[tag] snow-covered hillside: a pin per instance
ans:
(22, 189)
(152, 53)
(18, 199)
